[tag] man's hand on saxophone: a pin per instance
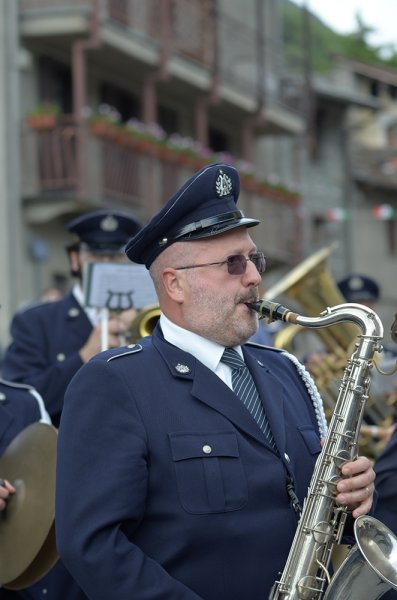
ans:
(356, 488)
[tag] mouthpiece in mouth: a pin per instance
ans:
(273, 311)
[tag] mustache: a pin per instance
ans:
(251, 297)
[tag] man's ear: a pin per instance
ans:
(173, 284)
(73, 255)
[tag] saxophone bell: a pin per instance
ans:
(370, 568)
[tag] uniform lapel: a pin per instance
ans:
(272, 393)
(5, 423)
(76, 317)
(208, 388)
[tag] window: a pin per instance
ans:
(123, 101)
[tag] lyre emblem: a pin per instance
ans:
(119, 300)
(223, 184)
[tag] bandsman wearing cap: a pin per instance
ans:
(20, 406)
(191, 449)
(362, 289)
(51, 341)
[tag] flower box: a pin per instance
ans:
(41, 122)
(43, 116)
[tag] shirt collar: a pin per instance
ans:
(92, 313)
(206, 351)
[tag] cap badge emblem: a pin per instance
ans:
(182, 368)
(223, 184)
(356, 283)
(109, 223)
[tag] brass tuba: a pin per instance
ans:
(311, 286)
(144, 323)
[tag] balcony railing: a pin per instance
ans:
(232, 51)
(72, 161)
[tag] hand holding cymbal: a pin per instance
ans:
(27, 534)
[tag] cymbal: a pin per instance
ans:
(27, 524)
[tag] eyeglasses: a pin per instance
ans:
(236, 264)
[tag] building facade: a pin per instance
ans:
(114, 103)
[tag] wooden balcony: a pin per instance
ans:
(70, 163)
(190, 46)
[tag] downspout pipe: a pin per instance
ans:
(258, 118)
(212, 97)
(161, 73)
(79, 80)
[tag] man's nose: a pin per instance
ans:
(252, 274)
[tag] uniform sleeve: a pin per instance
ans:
(386, 484)
(102, 475)
(44, 416)
(27, 360)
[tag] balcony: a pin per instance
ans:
(188, 45)
(67, 165)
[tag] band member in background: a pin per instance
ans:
(168, 485)
(363, 289)
(20, 406)
(51, 341)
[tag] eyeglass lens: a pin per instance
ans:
(237, 264)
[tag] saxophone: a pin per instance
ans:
(371, 565)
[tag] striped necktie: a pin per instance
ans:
(244, 387)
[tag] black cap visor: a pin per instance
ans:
(102, 248)
(209, 227)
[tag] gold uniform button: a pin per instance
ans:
(207, 449)
(61, 357)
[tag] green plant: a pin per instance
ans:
(45, 108)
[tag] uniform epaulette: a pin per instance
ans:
(256, 345)
(33, 305)
(126, 351)
(15, 385)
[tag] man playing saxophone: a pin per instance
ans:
(192, 450)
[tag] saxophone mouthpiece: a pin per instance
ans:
(273, 311)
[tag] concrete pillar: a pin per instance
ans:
(13, 246)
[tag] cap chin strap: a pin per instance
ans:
(187, 230)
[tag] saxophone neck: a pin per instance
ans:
(365, 318)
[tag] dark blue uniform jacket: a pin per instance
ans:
(44, 352)
(386, 486)
(166, 488)
(18, 409)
